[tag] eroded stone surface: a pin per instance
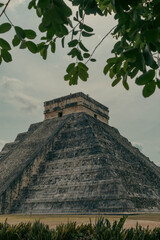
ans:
(77, 164)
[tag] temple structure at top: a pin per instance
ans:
(75, 103)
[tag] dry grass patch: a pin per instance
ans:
(151, 220)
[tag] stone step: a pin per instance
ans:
(88, 182)
(88, 167)
(60, 198)
(27, 151)
(74, 143)
(79, 151)
(78, 206)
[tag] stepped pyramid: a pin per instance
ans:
(74, 162)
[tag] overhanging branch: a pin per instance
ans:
(100, 43)
(5, 8)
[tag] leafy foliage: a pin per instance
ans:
(101, 230)
(136, 52)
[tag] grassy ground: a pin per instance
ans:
(151, 220)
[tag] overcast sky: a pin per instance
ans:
(28, 81)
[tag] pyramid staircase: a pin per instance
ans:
(77, 164)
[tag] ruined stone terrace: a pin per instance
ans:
(75, 103)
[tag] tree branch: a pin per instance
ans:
(5, 8)
(100, 43)
(8, 19)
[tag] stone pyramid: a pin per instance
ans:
(74, 162)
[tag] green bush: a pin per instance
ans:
(72, 232)
(101, 230)
(39, 231)
(14, 232)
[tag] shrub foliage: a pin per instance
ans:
(101, 230)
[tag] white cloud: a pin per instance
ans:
(12, 91)
(138, 145)
(13, 3)
(158, 149)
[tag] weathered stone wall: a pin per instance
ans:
(9, 147)
(15, 170)
(17, 190)
(75, 103)
(82, 166)
(88, 167)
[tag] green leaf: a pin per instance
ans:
(87, 28)
(30, 34)
(6, 55)
(20, 32)
(83, 47)
(23, 44)
(70, 23)
(32, 47)
(158, 83)
(77, 14)
(80, 12)
(1, 4)
(125, 66)
(125, 84)
(86, 55)
(50, 34)
(42, 28)
(63, 31)
(39, 12)
(116, 81)
(131, 53)
(149, 89)
(111, 73)
(145, 77)
(74, 79)
(152, 35)
(117, 48)
(70, 67)
(43, 52)
(117, 66)
(133, 73)
(140, 62)
(43, 4)
(153, 47)
(5, 27)
(121, 223)
(81, 26)
(75, 19)
(67, 77)
(83, 66)
(82, 74)
(53, 46)
(86, 34)
(4, 44)
(31, 4)
(43, 38)
(73, 43)
(75, 53)
(107, 68)
(62, 41)
(149, 58)
(40, 46)
(79, 56)
(75, 32)
(16, 41)
(112, 60)
(93, 60)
